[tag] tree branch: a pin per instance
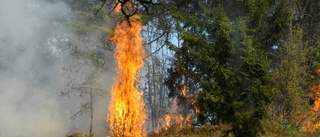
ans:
(154, 51)
(102, 5)
(123, 3)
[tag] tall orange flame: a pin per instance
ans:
(126, 108)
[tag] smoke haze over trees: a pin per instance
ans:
(39, 61)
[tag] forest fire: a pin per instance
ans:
(175, 118)
(167, 118)
(312, 123)
(126, 108)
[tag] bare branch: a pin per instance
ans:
(154, 51)
(155, 39)
(102, 5)
(144, 3)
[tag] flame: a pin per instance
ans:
(178, 120)
(188, 120)
(317, 70)
(160, 126)
(126, 107)
(312, 123)
(174, 117)
(316, 106)
(315, 94)
(193, 101)
(120, 4)
(117, 7)
(184, 91)
(167, 118)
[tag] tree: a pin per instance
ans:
(153, 75)
(232, 86)
(89, 55)
(289, 103)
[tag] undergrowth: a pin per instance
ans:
(271, 129)
(203, 131)
(79, 134)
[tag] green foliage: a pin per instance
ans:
(276, 129)
(253, 92)
(88, 52)
(87, 22)
(313, 78)
(289, 103)
(233, 87)
(249, 64)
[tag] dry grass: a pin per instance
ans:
(204, 131)
(79, 134)
(271, 129)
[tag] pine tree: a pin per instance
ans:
(232, 86)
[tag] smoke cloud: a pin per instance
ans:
(34, 39)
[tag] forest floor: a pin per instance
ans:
(270, 130)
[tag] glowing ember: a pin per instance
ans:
(127, 112)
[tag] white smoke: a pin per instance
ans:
(33, 40)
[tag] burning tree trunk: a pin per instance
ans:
(127, 109)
